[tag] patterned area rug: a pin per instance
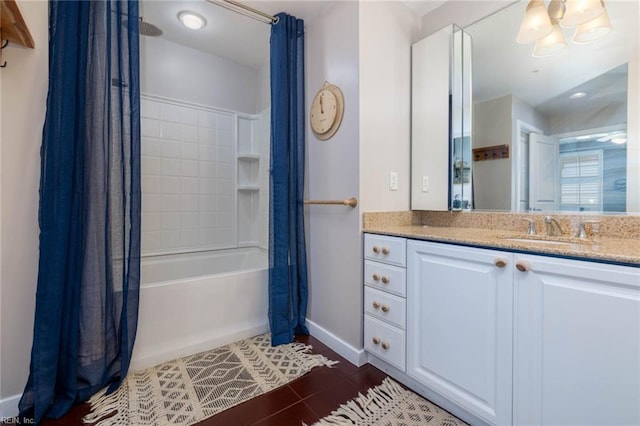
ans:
(189, 389)
(389, 404)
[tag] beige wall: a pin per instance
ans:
(23, 97)
(333, 246)
(385, 101)
(492, 179)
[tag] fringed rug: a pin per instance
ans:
(389, 404)
(189, 389)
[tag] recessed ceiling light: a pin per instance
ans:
(192, 20)
(578, 95)
(619, 140)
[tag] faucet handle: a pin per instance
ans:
(532, 225)
(582, 233)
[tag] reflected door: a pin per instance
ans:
(544, 176)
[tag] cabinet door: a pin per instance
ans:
(577, 343)
(459, 326)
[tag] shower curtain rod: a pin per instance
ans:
(243, 9)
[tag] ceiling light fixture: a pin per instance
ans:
(535, 24)
(593, 30)
(578, 12)
(551, 43)
(619, 140)
(577, 95)
(541, 25)
(192, 20)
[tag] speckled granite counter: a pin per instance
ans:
(508, 233)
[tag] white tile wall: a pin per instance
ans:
(188, 177)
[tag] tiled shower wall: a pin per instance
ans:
(188, 177)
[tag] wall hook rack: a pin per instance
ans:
(5, 43)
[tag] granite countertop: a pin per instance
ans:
(610, 250)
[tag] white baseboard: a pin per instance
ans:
(355, 356)
(9, 407)
(169, 353)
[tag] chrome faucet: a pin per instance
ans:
(553, 227)
(532, 226)
(582, 233)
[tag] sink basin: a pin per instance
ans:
(532, 241)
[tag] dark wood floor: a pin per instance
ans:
(306, 399)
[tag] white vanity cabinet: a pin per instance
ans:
(576, 343)
(524, 339)
(384, 298)
(459, 326)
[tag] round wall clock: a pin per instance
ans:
(327, 110)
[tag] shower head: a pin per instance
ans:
(147, 29)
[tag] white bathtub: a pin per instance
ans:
(197, 301)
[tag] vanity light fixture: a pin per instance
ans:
(542, 25)
(551, 43)
(535, 24)
(578, 12)
(192, 20)
(593, 30)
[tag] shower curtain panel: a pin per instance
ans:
(89, 216)
(287, 253)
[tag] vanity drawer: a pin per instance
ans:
(390, 340)
(385, 306)
(392, 250)
(385, 277)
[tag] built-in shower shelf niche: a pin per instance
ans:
(249, 157)
(250, 178)
(248, 171)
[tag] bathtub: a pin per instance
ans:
(198, 301)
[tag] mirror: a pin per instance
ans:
(538, 144)
(441, 136)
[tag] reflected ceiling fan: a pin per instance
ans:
(618, 137)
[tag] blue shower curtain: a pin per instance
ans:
(287, 253)
(89, 216)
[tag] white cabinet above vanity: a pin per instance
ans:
(510, 338)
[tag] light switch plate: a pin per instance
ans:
(425, 183)
(393, 181)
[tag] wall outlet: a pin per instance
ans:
(393, 181)
(425, 183)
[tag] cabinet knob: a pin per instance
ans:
(500, 262)
(384, 280)
(523, 266)
(384, 308)
(376, 249)
(376, 277)
(375, 340)
(376, 305)
(385, 345)
(385, 251)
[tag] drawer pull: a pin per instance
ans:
(523, 266)
(385, 251)
(385, 345)
(376, 249)
(376, 305)
(384, 280)
(376, 277)
(500, 262)
(384, 308)
(375, 340)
